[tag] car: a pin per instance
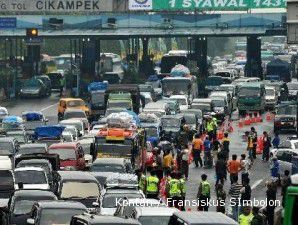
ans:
(120, 103)
(33, 148)
(33, 88)
(9, 146)
(199, 117)
(3, 113)
(109, 111)
(91, 219)
(47, 81)
(147, 97)
(79, 186)
(77, 123)
(20, 205)
(173, 105)
(293, 89)
(69, 154)
(31, 178)
(287, 144)
(71, 103)
(171, 124)
(270, 97)
(77, 114)
(116, 165)
(19, 135)
(226, 95)
(285, 117)
(182, 100)
(147, 88)
(88, 144)
(6, 163)
(220, 108)
(160, 107)
(54, 212)
(201, 218)
(285, 159)
(55, 77)
(96, 128)
(191, 120)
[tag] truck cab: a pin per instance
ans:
(291, 203)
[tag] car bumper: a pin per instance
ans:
(22, 94)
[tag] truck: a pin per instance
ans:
(281, 68)
(96, 94)
(251, 97)
(291, 202)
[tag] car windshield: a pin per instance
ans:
(64, 154)
(293, 86)
(176, 87)
(30, 177)
(32, 83)
(77, 114)
(31, 150)
(181, 101)
(285, 144)
(6, 148)
(249, 92)
(110, 200)
(23, 207)
(58, 216)
(75, 103)
(151, 132)
(170, 122)
(107, 168)
(287, 110)
(119, 104)
(214, 81)
(190, 118)
(74, 190)
(156, 220)
(218, 103)
(270, 92)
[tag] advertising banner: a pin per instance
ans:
(140, 5)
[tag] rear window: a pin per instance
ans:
(7, 182)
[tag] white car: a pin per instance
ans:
(3, 113)
(31, 178)
(287, 144)
(5, 163)
(284, 157)
(270, 97)
(182, 100)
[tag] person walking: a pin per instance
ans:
(207, 153)
(220, 170)
(235, 194)
(152, 183)
(267, 145)
(174, 190)
(225, 143)
(276, 140)
(184, 161)
(203, 194)
(221, 199)
(197, 145)
(245, 166)
(274, 169)
(271, 196)
(234, 167)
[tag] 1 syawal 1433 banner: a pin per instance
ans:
(220, 5)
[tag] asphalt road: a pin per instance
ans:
(259, 173)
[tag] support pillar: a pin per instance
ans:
(33, 58)
(88, 58)
(145, 42)
(253, 67)
(201, 54)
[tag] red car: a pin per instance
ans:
(71, 155)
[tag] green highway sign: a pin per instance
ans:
(184, 5)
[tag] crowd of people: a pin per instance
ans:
(169, 173)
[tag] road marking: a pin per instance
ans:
(46, 108)
(256, 183)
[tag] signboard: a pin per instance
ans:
(220, 5)
(140, 5)
(55, 6)
(8, 22)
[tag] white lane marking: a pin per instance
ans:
(50, 106)
(256, 183)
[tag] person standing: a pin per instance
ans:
(274, 169)
(234, 167)
(220, 170)
(221, 199)
(174, 191)
(250, 146)
(152, 183)
(142, 181)
(215, 125)
(276, 140)
(167, 162)
(257, 218)
(246, 216)
(254, 136)
(267, 145)
(158, 162)
(271, 196)
(226, 147)
(285, 183)
(215, 149)
(197, 145)
(235, 194)
(245, 193)
(61, 85)
(207, 153)
(210, 127)
(183, 191)
(245, 166)
(184, 161)
(203, 194)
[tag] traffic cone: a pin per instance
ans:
(230, 128)
(253, 118)
(268, 116)
(240, 123)
(247, 120)
(259, 118)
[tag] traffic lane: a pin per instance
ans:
(48, 106)
(259, 173)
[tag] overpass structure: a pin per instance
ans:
(97, 22)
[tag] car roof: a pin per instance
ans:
(63, 145)
(99, 219)
(60, 204)
(26, 168)
(74, 110)
(205, 218)
(32, 193)
(76, 175)
(34, 161)
(119, 161)
(122, 190)
(71, 99)
(178, 97)
(34, 145)
(155, 211)
(7, 139)
(177, 116)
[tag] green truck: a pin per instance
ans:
(251, 97)
(291, 204)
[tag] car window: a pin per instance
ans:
(285, 144)
(296, 145)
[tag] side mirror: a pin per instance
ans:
(95, 204)
(30, 221)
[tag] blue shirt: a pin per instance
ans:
(274, 169)
(207, 146)
(276, 142)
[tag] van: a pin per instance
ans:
(159, 105)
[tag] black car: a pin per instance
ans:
(47, 81)
(116, 165)
(171, 126)
(88, 219)
(33, 148)
(286, 117)
(20, 205)
(55, 212)
(79, 186)
(6, 185)
(9, 146)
